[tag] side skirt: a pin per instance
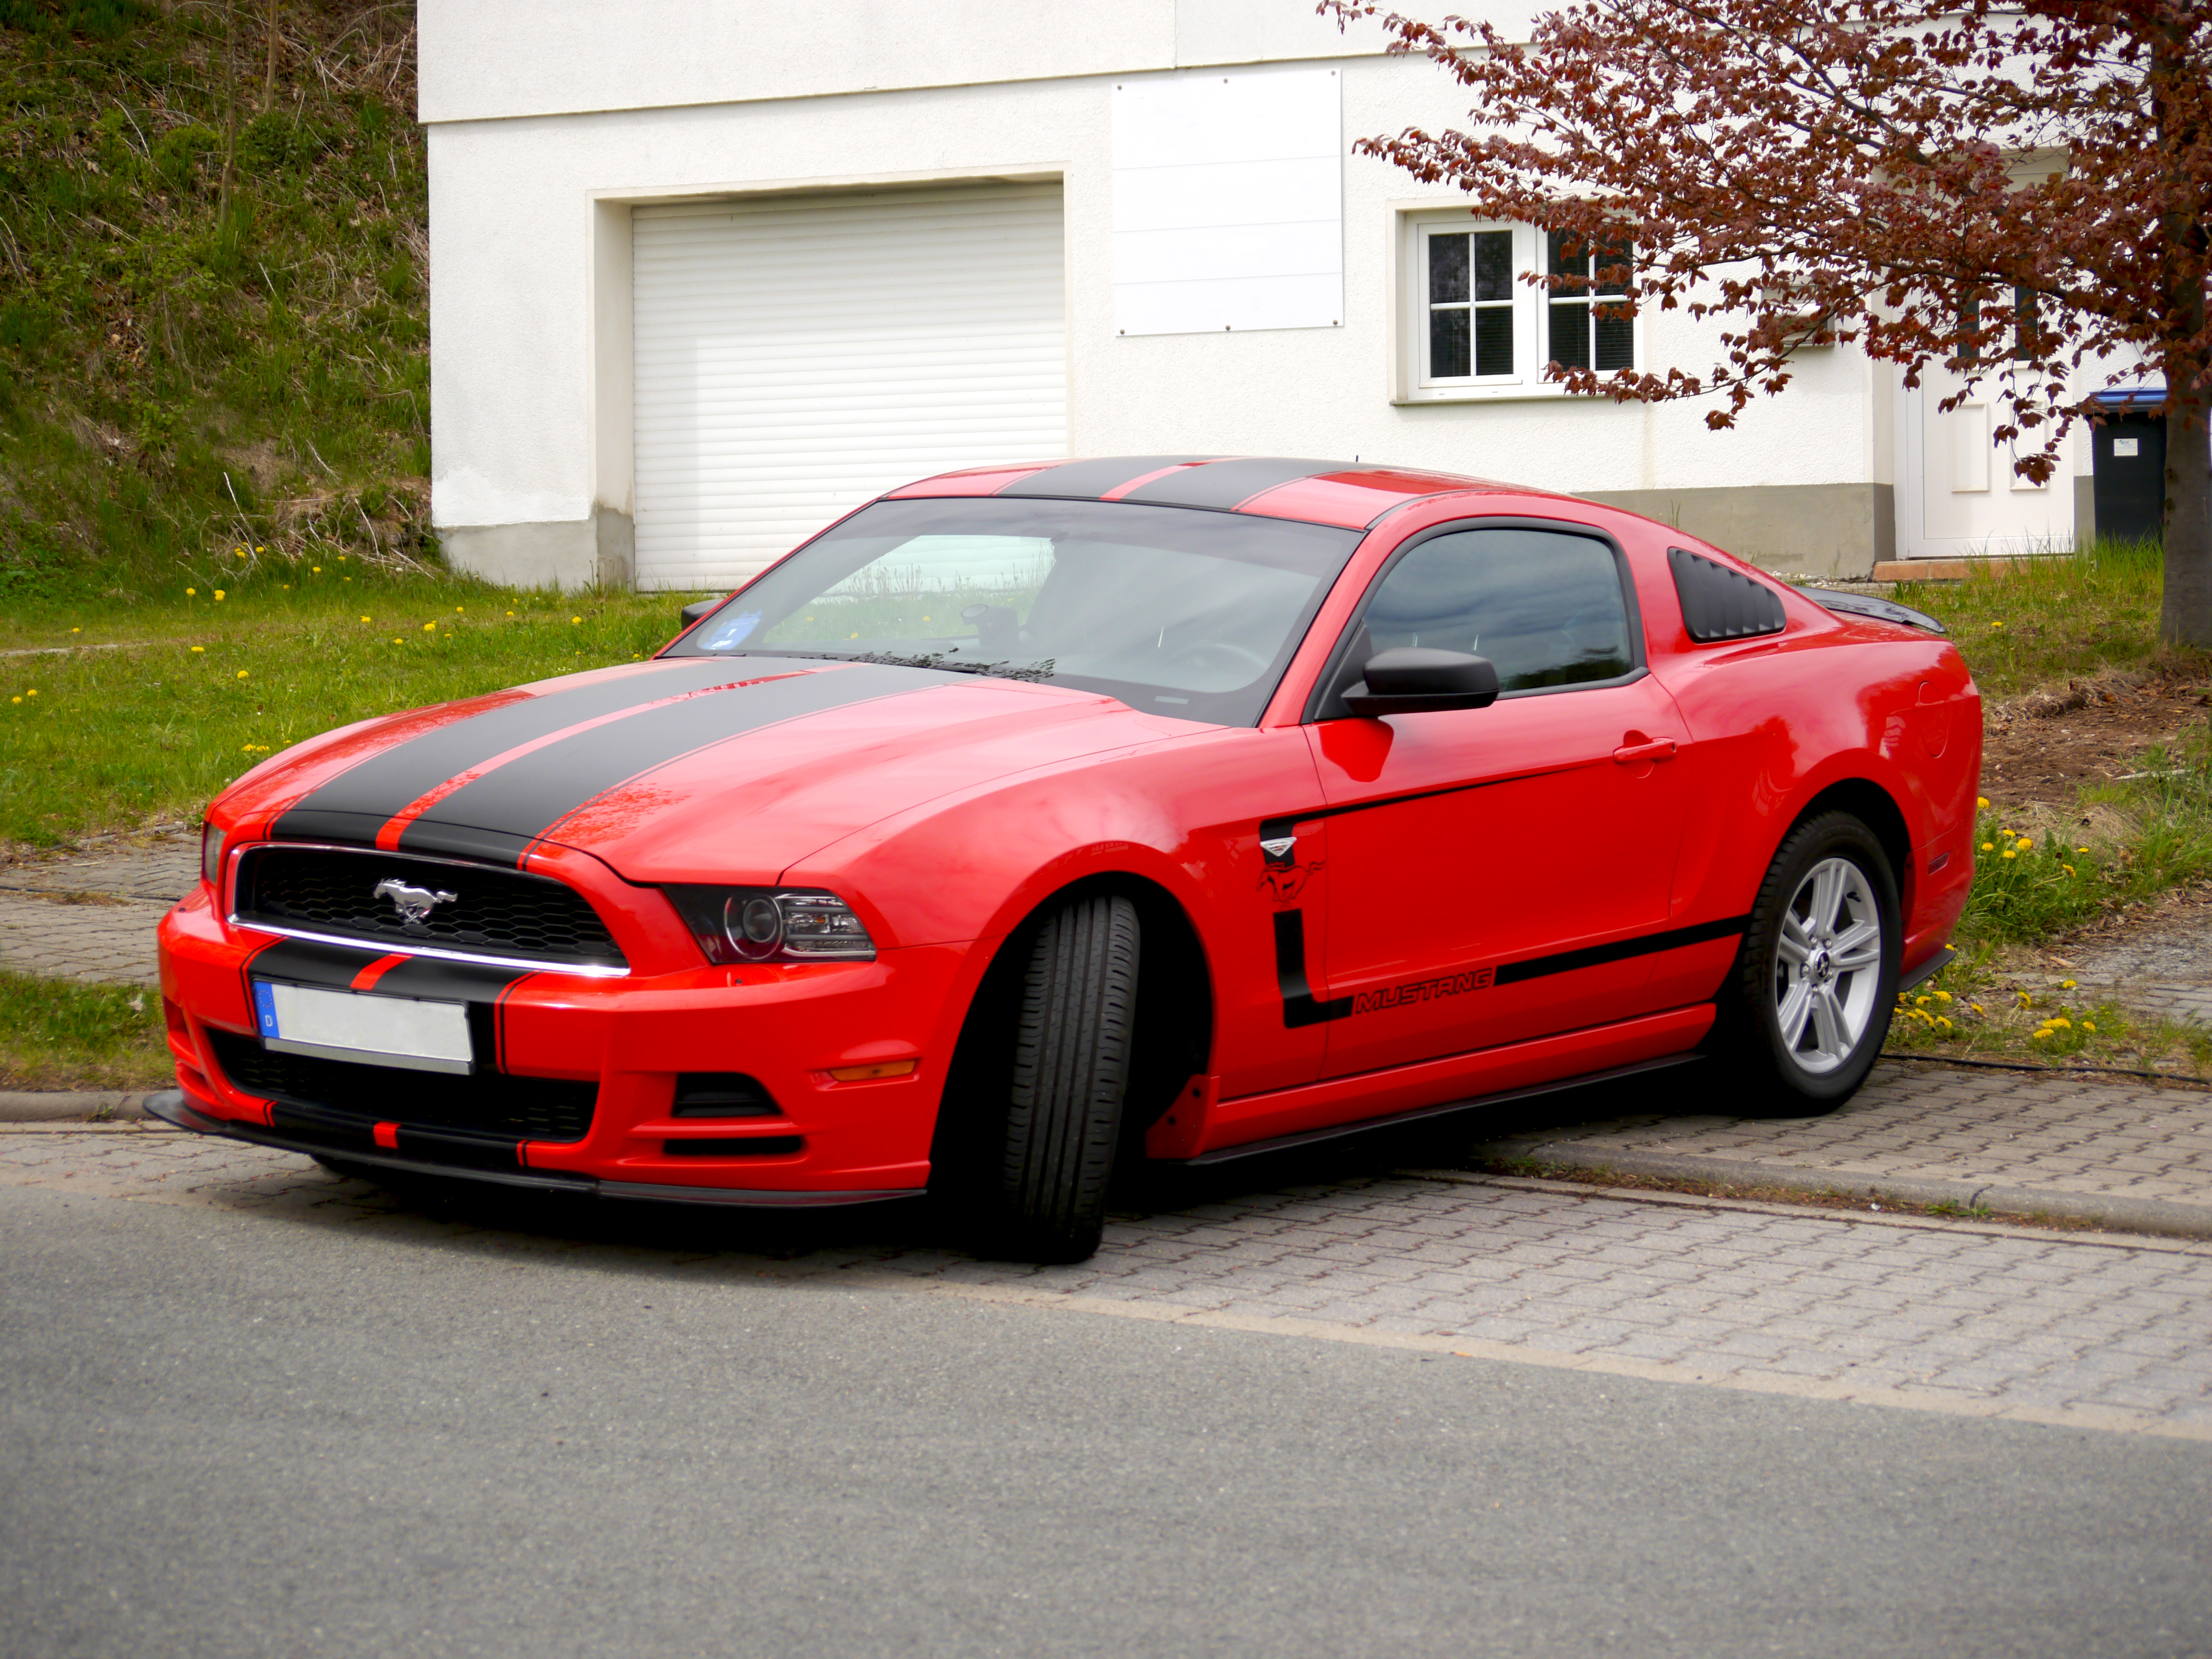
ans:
(1478, 1102)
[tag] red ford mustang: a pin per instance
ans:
(1032, 817)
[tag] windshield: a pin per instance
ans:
(1173, 610)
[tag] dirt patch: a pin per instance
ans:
(2039, 750)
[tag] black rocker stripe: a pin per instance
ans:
(530, 795)
(1301, 1007)
(1286, 823)
(380, 784)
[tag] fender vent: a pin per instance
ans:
(1721, 603)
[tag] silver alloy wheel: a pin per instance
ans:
(1827, 965)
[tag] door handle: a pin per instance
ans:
(1630, 754)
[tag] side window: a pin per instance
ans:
(1546, 607)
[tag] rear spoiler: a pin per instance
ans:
(1865, 605)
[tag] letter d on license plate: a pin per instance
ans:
(421, 1037)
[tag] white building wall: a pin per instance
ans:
(530, 307)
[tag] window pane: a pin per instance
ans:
(1616, 338)
(1556, 263)
(1493, 340)
(1613, 255)
(1447, 269)
(1493, 265)
(1570, 332)
(1446, 343)
(1546, 608)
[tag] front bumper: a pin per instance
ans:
(172, 1106)
(620, 1043)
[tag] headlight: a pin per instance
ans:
(766, 924)
(211, 856)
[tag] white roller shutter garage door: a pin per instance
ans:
(797, 355)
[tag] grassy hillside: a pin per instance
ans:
(212, 318)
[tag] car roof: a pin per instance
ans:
(1341, 493)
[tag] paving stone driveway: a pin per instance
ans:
(1944, 1317)
(91, 917)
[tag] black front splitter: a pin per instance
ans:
(172, 1107)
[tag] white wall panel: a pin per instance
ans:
(1229, 202)
(794, 355)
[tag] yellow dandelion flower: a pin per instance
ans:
(2065, 984)
(1920, 1002)
(2080, 850)
(220, 594)
(2067, 868)
(1997, 624)
(2089, 1025)
(1989, 847)
(575, 619)
(190, 591)
(2026, 845)
(241, 673)
(240, 551)
(1980, 801)
(459, 610)
(2038, 1032)
(316, 569)
(430, 628)
(1942, 1022)
(368, 619)
(30, 692)
(2008, 853)
(199, 647)
(1943, 996)
(510, 613)
(1975, 1006)
(260, 550)
(2059, 1023)
(76, 630)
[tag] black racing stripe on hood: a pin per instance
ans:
(529, 795)
(451, 840)
(385, 782)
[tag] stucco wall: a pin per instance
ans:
(529, 300)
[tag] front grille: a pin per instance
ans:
(490, 1103)
(502, 913)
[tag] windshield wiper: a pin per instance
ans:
(1039, 671)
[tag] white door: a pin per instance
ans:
(796, 354)
(1960, 496)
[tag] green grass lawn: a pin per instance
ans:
(2051, 620)
(56, 1035)
(198, 688)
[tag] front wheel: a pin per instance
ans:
(1045, 1198)
(1805, 1008)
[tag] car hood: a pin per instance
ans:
(679, 769)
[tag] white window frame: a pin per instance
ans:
(1412, 227)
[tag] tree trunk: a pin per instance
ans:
(269, 75)
(2186, 618)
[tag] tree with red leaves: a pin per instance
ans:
(2021, 195)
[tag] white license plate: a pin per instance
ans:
(422, 1037)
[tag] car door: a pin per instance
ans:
(1494, 874)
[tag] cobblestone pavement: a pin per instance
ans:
(2036, 1130)
(1936, 1316)
(91, 916)
(2163, 968)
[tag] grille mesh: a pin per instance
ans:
(493, 912)
(490, 1102)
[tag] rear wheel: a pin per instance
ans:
(1805, 1008)
(1043, 1186)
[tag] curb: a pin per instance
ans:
(2113, 1212)
(85, 1105)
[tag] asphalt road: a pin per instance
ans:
(241, 1434)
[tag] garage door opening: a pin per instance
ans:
(796, 354)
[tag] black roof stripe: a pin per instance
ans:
(1223, 484)
(1086, 481)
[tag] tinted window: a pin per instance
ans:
(1173, 611)
(1547, 608)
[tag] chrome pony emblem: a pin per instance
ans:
(413, 903)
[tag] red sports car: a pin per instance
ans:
(1029, 818)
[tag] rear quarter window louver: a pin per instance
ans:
(1721, 603)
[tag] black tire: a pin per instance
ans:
(1769, 1072)
(1043, 1191)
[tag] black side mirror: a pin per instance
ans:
(1411, 678)
(697, 609)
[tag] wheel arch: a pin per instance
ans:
(1176, 1012)
(1873, 806)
